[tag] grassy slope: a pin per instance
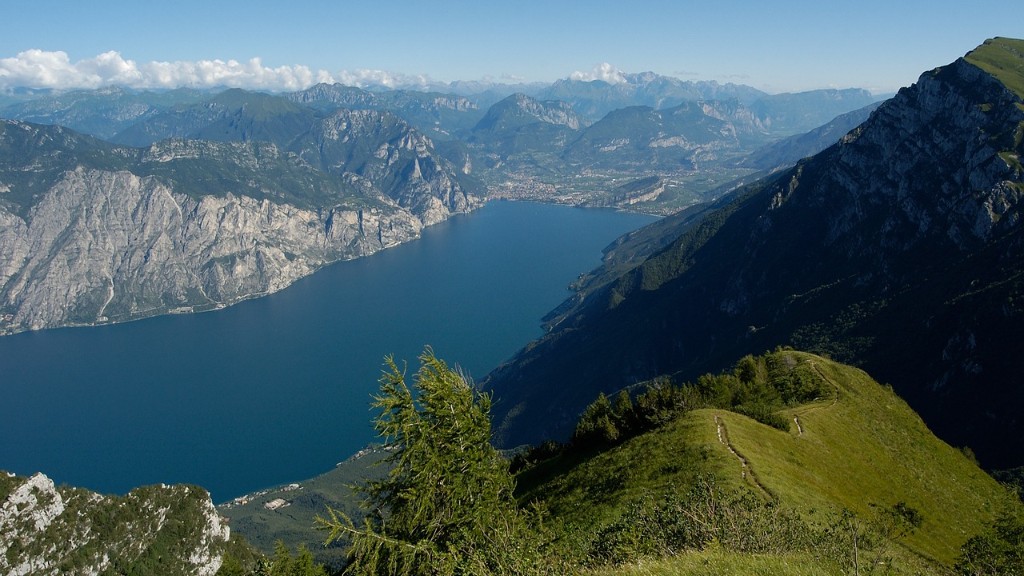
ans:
(721, 563)
(293, 524)
(870, 449)
(1004, 59)
(861, 449)
(865, 449)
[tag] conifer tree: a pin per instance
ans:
(446, 505)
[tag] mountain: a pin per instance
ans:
(520, 110)
(92, 233)
(788, 151)
(851, 444)
(168, 530)
(375, 145)
(524, 131)
(792, 113)
(439, 115)
(897, 249)
(101, 113)
(679, 138)
(593, 99)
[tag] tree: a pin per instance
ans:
(998, 550)
(282, 564)
(597, 423)
(446, 505)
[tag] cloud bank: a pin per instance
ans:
(603, 71)
(44, 69)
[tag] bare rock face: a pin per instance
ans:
(105, 246)
(157, 529)
(401, 162)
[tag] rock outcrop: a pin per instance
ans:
(168, 530)
(93, 233)
(105, 246)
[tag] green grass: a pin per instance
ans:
(867, 451)
(861, 448)
(294, 524)
(592, 489)
(1004, 59)
(713, 562)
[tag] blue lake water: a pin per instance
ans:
(277, 389)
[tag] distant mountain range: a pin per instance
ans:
(327, 173)
(898, 249)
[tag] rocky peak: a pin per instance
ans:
(912, 172)
(519, 109)
(157, 529)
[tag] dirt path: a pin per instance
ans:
(826, 379)
(746, 472)
(835, 399)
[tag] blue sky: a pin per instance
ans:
(774, 46)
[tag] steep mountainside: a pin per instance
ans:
(166, 530)
(93, 233)
(680, 138)
(375, 145)
(788, 151)
(397, 159)
(849, 444)
(898, 249)
(101, 113)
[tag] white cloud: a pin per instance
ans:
(363, 78)
(42, 69)
(603, 71)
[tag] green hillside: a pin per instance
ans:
(853, 462)
(1002, 58)
(860, 448)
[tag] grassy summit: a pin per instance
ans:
(1002, 58)
(859, 448)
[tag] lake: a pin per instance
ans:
(277, 389)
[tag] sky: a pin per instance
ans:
(780, 46)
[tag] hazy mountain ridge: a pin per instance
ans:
(475, 131)
(788, 151)
(897, 248)
(103, 112)
(594, 99)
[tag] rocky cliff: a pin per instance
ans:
(91, 233)
(167, 530)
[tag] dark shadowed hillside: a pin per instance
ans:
(898, 249)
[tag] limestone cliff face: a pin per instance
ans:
(167, 530)
(400, 161)
(105, 246)
(92, 232)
